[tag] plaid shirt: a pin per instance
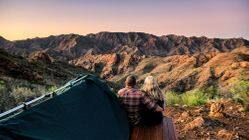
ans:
(133, 101)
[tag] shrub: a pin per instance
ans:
(241, 92)
(148, 68)
(51, 88)
(2, 95)
(16, 91)
(2, 83)
(6, 100)
(172, 98)
(212, 72)
(211, 92)
(194, 97)
(22, 94)
(190, 98)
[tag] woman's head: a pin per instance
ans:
(151, 88)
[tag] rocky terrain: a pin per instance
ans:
(221, 119)
(180, 63)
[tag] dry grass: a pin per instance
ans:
(16, 91)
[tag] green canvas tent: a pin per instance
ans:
(84, 110)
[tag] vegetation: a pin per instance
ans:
(148, 68)
(211, 92)
(212, 72)
(6, 100)
(192, 98)
(2, 96)
(51, 88)
(172, 98)
(241, 92)
(16, 91)
(22, 94)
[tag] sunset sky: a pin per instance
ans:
(21, 19)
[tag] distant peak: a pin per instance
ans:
(120, 34)
(2, 38)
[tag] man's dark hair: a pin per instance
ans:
(130, 81)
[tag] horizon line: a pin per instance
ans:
(126, 32)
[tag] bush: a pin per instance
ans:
(241, 92)
(194, 97)
(2, 95)
(16, 91)
(190, 98)
(6, 100)
(211, 92)
(148, 68)
(22, 94)
(51, 88)
(172, 98)
(2, 83)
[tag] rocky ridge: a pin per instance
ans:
(180, 63)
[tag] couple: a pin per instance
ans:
(142, 106)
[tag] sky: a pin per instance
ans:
(21, 19)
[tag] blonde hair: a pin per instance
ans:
(152, 89)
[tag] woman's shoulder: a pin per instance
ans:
(145, 93)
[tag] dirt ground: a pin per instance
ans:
(233, 125)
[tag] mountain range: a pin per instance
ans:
(180, 63)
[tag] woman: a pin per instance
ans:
(152, 90)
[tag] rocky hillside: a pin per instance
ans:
(180, 63)
(22, 79)
(38, 67)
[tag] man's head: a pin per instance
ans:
(130, 81)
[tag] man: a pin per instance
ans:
(134, 100)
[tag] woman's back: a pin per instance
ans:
(152, 90)
(150, 117)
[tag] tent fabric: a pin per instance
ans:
(88, 110)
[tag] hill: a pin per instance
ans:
(22, 79)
